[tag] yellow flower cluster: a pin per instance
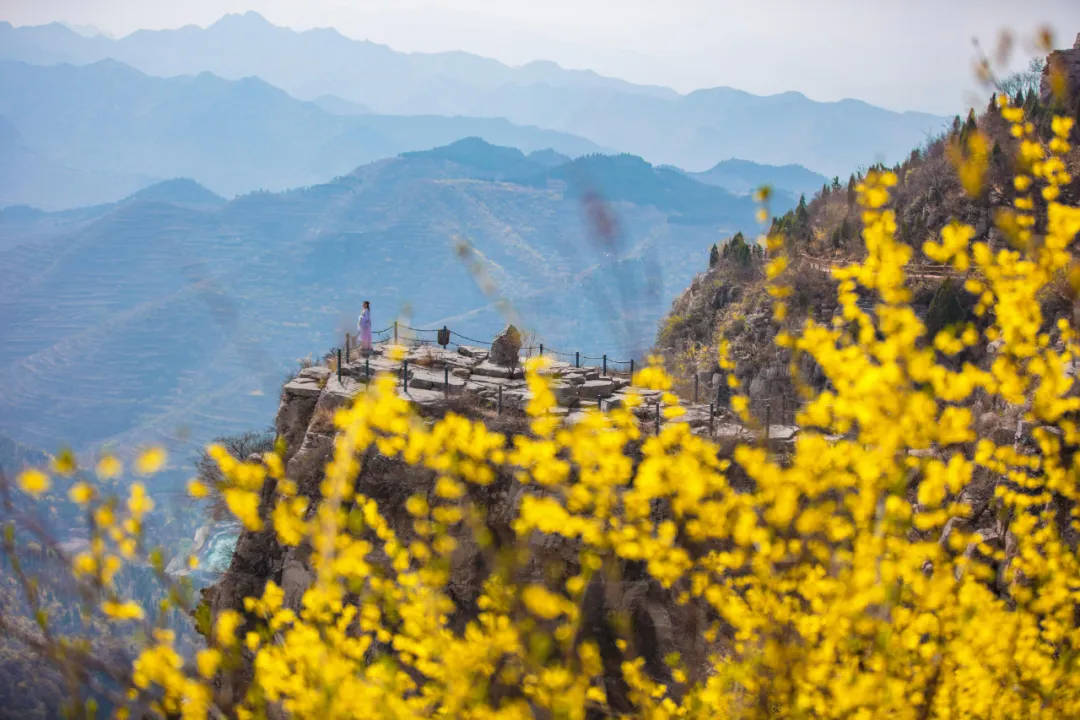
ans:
(847, 580)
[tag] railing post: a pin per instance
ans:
(768, 420)
(541, 349)
(367, 370)
(347, 347)
(631, 369)
(711, 419)
(339, 365)
(657, 418)
(605, 364)
(395, 332)
(695, 387)
(577, 358)
(446, 380)
(405, 375)
(500, 400)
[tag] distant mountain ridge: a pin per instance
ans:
(91, 134)
(744, 176)
(690, 131)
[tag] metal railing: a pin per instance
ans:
(771, 409)
(399, 334)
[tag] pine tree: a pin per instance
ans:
(997, 157)
(714, 255)
(970, 125)
(802, 216)
(737, 250)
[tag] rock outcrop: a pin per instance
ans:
(1062, 66)
(437, 380)
(506, 347)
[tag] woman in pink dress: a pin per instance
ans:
(364, 326)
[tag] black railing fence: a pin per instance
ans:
(776, 405)
(401, 334)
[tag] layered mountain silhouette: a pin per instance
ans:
(174, 313)
(351, 76)
(77, 135)
(743, 176)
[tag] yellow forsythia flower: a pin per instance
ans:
(122, 610)
(34, 481)
(150, 460)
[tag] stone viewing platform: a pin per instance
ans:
(430, 377)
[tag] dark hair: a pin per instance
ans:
(366, 304)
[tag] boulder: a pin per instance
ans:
(505, 347)
(1063, 64)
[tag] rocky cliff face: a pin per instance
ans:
(442, 381)
(729, 299)
(1064, 64)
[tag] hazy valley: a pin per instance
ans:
(175, 313)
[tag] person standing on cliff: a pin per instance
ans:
(364, 326)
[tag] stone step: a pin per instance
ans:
(430, 379)
(595, 389)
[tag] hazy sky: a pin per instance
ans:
(911, 54)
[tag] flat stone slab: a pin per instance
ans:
(565, 393)
(490, 369)
(433, 379)
(611, 403)
(516, 398)
(731, 431)
(594, 389)
(783, 433)
(643, 392)
(574, 417)
(375, 364)
(495, 381)
(304, 386)
(438, 357)
(315, 372)
(471, 351)
(557, 368)
(346, 387)
(421, 396)
(481, 389)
